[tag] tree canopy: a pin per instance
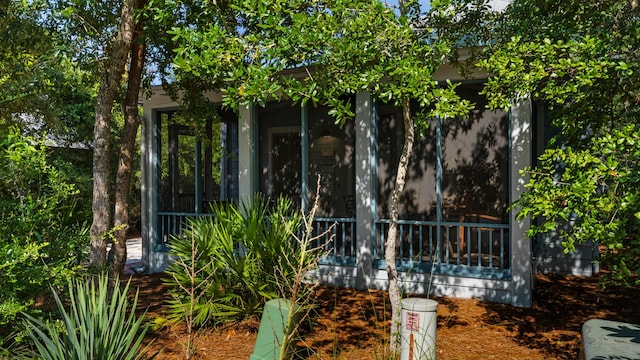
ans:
(310, 51)
(41, 82)
(315, 52)
(580, 59)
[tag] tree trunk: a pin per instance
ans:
(127, 149)
(110, 78)
(392, 236)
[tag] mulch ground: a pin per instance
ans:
(349, 324)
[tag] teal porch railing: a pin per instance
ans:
(341, 250)
(339, 243)
(453, 248)
(173, 224)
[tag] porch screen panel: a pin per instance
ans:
(280, 159)
(332, 157)
(475, 162)
(419, 199)
(177, 164)
(229, 190)
(183, 168)
(162, 170)
(475, 184)
(453, 210)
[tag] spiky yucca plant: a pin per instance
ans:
(100, 324)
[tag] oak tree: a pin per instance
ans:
(247, 49)
(579, 59)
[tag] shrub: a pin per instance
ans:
(43, 244)
(76, 167)
(242, 256)
(100, 324)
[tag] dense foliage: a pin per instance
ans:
(42, 85)
(245, 48)
(53, 56)
(238, 259)
(43, 243)
(580, 58)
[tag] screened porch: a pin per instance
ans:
(453, 211)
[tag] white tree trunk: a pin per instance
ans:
(391, 245)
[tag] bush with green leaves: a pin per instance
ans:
(101, 323)
(597, 192)
(75, 167)
(43, 244)
(241, 257)
(585, 70)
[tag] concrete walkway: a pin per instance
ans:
(134, 256)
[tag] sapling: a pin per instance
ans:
(298, 287)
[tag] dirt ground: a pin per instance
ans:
(350, 324)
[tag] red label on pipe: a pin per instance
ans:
(413, 321)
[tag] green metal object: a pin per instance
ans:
(271, 331)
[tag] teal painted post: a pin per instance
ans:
(438, 189)
(198, 179)
(304, 143)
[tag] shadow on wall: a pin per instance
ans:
(551, 259)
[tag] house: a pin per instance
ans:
(458, 237)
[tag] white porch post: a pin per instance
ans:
(247, 153)
(521, 148)
(365, 188)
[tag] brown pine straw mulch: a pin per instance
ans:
(349, 324)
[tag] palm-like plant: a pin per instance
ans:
(225, 266)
